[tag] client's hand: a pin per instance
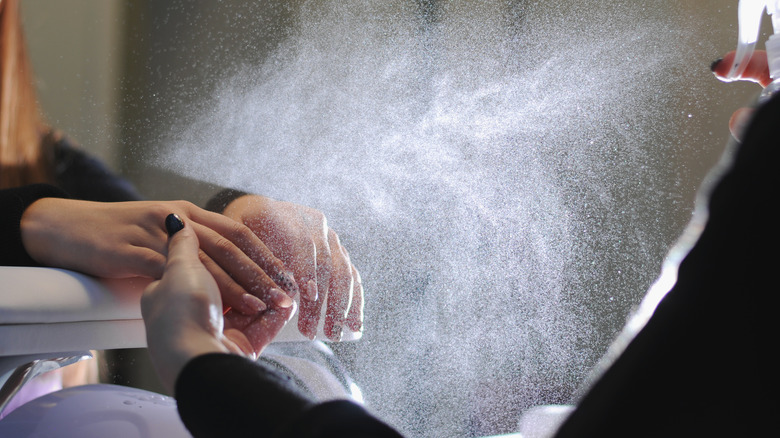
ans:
(756, 71)
(183, 312)
(127, 239)
(301, 238)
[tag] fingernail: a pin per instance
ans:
(715, 64)
(287, 281)
(310, 291)
(355, 325)
(306, 328)
(253, 302)
(280, 298)
(740, 121)
(336, 332)
(310, 334)
(173, 224)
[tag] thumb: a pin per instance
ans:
(756, 71)
(183, 245)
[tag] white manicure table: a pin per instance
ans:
(46, 311)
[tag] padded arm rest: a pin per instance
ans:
(46, 310)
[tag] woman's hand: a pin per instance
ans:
(126, 239)
(183, 312)
(301, 238)
(756, 71)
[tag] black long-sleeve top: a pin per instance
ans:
(228, 395)
(704, 365)
(13, 203)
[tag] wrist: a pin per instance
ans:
(172, 350)
(237, 206)
(36, 230)
(223, 199)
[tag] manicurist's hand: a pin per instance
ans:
(301, 238)
(756, 71)
(128, 239)
(183, 312)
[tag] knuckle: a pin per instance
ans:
(236, 231)
(322, 222)
(204, 258)
(356, 276)
(152, 262)
(223, 244)
(157, 211)
(333, 238)
(320, 218)
(184, 205)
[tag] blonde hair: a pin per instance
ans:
(22, 156)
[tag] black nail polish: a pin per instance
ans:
(173, 224)
(715, 64)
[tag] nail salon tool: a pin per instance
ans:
(750, 14)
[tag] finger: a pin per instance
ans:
(315, 272)
(233, 295)
(355, 315)
(264, 329)
(245, 241)
(240, 267)
(324, 261)
(260, 330)
(739, 121)
(309, 317)
(340, 293)
(183, 247)
(756, 71)
(310, 250)
(182, 251)
(237, 343)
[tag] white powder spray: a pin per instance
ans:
(485, 164)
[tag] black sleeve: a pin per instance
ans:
(228, 395)
(221, 200)
(85, 177)
(704, 365)
(13, 202)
